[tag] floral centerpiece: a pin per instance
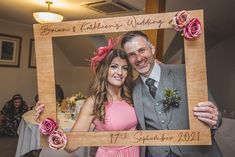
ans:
(74, 104)
(71, 101)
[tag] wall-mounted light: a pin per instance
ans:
(47, 17)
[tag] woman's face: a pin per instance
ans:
(117, 72)
(17, 103)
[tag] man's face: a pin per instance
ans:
(140, 54)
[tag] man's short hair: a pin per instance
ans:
(129, 35)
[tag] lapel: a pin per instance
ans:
(166, 81)
(138, 102)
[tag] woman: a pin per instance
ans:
(11, 115)
(109, 106)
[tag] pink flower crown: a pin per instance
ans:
(102, 52)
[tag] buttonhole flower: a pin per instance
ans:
(172, 99)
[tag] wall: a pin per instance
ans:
(221, 73)
(18, 79)
(23, 80)
(72, 79)
(81, 78)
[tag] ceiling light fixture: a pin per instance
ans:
(47, 17)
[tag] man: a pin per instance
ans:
(152, 110)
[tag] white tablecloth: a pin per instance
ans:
(29, 138)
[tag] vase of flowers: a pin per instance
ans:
(74, 104)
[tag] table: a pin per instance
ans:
(29, 137)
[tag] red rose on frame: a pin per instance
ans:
(192, 29)
(47, 126)
(180, 20)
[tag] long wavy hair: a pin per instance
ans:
(98, 87)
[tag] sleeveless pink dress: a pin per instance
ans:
(120, 116)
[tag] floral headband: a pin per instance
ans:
(102, 52)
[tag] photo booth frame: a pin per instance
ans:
(197, 134)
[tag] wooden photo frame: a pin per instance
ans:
(197, 134)
(10, 48)
(32, 56)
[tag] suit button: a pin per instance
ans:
(160, 112)
(157, 104)
(163, 121)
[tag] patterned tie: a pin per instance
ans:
(152, 88)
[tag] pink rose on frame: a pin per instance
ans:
(180, 20)
(47, 126)
(57, 140)
(192, 29)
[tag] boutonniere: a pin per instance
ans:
(172, 99)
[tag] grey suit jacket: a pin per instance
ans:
(173, 77)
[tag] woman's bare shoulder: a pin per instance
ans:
(89, 103)
(90, 100)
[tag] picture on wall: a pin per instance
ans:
(32, 57)
(10, 47)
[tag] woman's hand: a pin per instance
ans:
(39, 107)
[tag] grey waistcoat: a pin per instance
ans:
(147, 110)
(157, 118)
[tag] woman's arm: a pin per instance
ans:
(85, 116)
(84, 120)
(82, 123)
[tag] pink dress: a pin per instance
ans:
(120, 116)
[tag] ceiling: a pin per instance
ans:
(219, 17)
(21, 10)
